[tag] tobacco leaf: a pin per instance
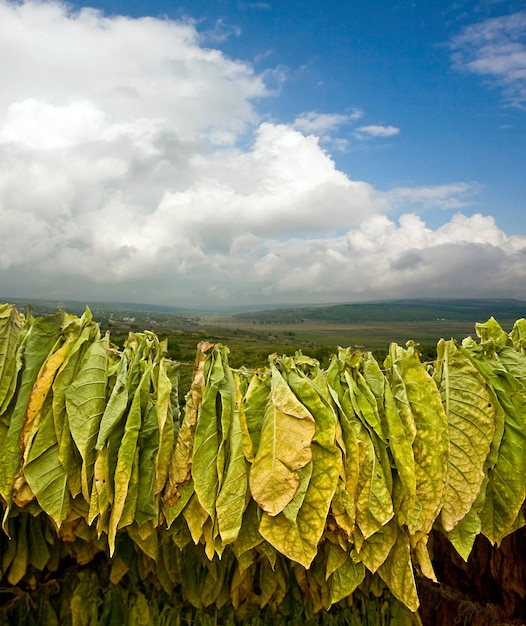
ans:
(471, 420)
(417, 398)
(11, 334)
(285, 447)
(231, 500)
(506, 488)
(298, 540)
(46, 475)
(85, 405)
(41, 339)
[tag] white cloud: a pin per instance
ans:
(128, 68)
(448, 196)
(496, 48)
(377, 131)
(43, 126)
(322, 123)
(469, 256)
(133, 166)
(326, 125)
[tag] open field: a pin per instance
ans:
(317, 332)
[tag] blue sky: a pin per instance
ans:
(260, 152)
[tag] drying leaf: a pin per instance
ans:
(285, 446)
(85, 405)
(417, 397)
(471, 420)
(11, 334)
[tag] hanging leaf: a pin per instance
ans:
(471, 420)
(506, 489)
(85, 404)
(401, 432)
(41, 339)
(208, 462)
(285, 446)
(127, 458)
(179, 471)
(231, 500)
(11, 335)
(298, 540)
(45, 474)
(397, 572)
(418, 399)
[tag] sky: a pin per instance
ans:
(237, 153)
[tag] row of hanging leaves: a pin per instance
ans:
(290, 480)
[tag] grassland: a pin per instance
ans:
(317, 331)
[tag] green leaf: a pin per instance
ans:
(41, 339)
(285, 446)
(127, 458)
(347, 439)
(45, 474)
(19, 564)
(251, 417)
(463, 536)
(215, 414)
(67, 451)
(165, 378)
(195, 516)
(518, 336)
(360, 420)
(85, 404)
(345, 579)
(249, 536)
(174, 510)
(85, 600)
(38, 547)
(117, 403)
(147, 445)
(11, 334)
(232, 495)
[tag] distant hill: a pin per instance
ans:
(407, 310)
(77, 307)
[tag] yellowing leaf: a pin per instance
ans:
(40, 341)
(285, 446)
(181, 463)
(397, 573)
(417, 395)
(298, 540)
(471, 420)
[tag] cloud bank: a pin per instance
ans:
(135, 166)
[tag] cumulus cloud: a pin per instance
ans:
(387, 259)
(134, 166)
(496, 49)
